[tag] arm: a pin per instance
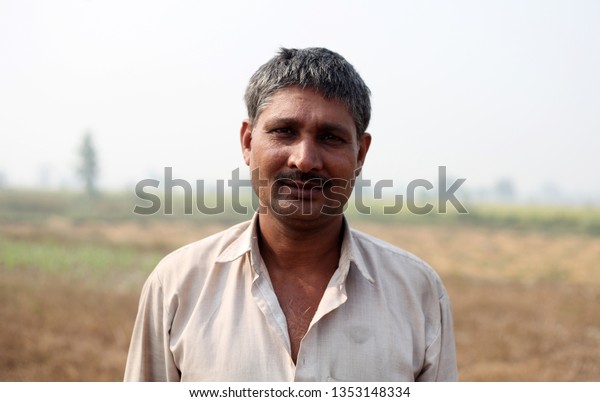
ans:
(150, 357)
(440, 356)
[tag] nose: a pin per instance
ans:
(304, 156)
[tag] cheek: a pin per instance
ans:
(268, 160)
(345, 167)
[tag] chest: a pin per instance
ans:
(351, 343)
(243, 332)
(299, 301)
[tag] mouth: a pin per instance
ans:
(300, 189)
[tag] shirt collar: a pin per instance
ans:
(243, 242)
(351, 253)
(247, 242)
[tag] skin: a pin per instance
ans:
(307, 154)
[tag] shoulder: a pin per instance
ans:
(197, 258)
(392, 265)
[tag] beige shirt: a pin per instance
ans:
(208, 312)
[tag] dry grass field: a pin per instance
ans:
(525, 301)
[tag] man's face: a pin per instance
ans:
(304, 154)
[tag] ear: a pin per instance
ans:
(246, 140)
(364, 142)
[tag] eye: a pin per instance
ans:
(332, 139)
(282, 131)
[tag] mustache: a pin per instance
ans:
(313, 178)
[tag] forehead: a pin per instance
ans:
(305, 104)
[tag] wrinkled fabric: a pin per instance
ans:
(208, 312)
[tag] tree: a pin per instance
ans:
(88, 164)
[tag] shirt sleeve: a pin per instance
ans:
(150, 357)
(440, 356)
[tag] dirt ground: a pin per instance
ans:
(62, 331)
(523, 310)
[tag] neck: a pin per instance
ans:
(300, 248)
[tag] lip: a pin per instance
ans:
(302, 189)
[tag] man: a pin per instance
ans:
(295, 294)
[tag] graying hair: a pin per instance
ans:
(319, 69)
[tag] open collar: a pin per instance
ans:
(247, 242)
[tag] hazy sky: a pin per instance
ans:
(489, 89)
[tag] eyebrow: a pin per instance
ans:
(281, 121)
